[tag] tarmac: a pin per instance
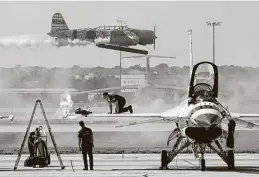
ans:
(133, 165)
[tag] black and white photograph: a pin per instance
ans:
(129, 88)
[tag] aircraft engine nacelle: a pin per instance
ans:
(145, 36)
(202, 134)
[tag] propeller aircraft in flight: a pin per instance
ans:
(109, 37)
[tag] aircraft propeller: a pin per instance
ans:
(154, 37)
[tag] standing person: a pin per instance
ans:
(86, 144)
(119, 102)
(42, 132)
(31, 140)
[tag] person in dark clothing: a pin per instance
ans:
(31, 140)
(85, 142)
(119, 102)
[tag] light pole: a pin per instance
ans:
(191, 56)
(213, 24)
(121, 23)
(120, 68)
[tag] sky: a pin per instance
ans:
(236, 40)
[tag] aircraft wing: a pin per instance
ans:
(114, 116)
(106, 89)
(153, 117)
(241, 120)
(137, 115)
(129, 87)
(148, 118)
(169, 87)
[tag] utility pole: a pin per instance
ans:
(120, 68)
(121, 23)
(191, 56)
(213, 24)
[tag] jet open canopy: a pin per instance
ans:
(204, 79)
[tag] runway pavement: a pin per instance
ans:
(133, 165)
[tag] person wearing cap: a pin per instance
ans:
(85, 143)
(119, 102)
(42, 132)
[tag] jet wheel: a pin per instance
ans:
(231, 160)
(231, 131)
(164, 160)
(203, 165)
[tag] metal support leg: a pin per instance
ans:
(51, 135)
(27, 131)
(25, 137)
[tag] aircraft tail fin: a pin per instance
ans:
(58, 23)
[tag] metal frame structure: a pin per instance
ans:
(147, 63)
(27, 132)
(213, 24)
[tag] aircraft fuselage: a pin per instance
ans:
(206, 122)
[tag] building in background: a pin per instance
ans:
(132, 79)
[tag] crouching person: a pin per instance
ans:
(85, 142)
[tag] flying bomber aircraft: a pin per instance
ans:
(109, 37)
(204, 117)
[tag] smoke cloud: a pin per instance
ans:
(102, 40)
(66, 104)
(35, 41)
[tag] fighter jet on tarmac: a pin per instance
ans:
(109, 37)
(204, 117)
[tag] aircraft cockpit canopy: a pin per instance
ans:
(204, 80)
(112, 27)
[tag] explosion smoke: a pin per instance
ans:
(66, 104)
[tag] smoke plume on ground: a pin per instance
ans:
(66, 104)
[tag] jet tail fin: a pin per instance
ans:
(58, 23)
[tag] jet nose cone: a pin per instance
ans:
(207, 117)
(211, 119)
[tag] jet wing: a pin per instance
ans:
(114, 116)
(169, 87)
(106, 89)
(239, 119)
(173, 115)
(137, 115)
(180, 111)
(128, 87)
(244, 115)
